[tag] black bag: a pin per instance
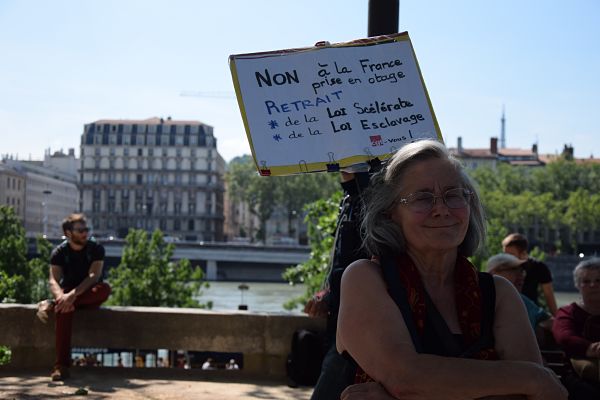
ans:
(304, 362)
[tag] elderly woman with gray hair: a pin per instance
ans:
(417, 318)
(577, 326)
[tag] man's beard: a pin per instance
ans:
(79, 242)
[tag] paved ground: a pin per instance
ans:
(113, 384)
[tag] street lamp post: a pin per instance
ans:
(44, 207)
(242, 288)
(384, 17)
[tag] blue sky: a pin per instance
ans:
(67, 63)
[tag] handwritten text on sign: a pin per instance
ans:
(340, 105)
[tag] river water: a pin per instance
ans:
(261, 296)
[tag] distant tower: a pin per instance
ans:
(503, 130)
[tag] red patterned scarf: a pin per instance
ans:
(467, 295)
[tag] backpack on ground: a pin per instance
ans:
(304, 362)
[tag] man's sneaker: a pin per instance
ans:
(44, 307)
(60, 373)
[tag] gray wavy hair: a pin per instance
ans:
(381, 234)
(590, 264)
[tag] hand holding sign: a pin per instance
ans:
(326, 108)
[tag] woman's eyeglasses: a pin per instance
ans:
(424, 201)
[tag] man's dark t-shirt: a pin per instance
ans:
(75, 264)
(537, 273)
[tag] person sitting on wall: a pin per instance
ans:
(75, 283)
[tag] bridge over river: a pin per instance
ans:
(221, 261)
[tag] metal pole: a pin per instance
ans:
(384, 16)
(45, 206)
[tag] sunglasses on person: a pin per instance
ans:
(424, 201)
(81, 230)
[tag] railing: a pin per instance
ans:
(264, 339)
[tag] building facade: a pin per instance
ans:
(50, 192)
(152, 174)
(12, 190)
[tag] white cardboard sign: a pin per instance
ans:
(330, 107)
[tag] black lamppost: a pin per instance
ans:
(384, 16)
(243, 287)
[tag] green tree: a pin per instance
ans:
(264, 193)
(5, 354)
(296, 191)
(147, 275)
(13, 245)
(258, 192)
(39, 270)
(21, 281)
(321, 219)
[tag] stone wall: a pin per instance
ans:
(263, 338)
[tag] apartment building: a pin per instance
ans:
(152, 173)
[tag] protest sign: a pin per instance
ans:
(330, 107)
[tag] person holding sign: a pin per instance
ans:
(418, 319)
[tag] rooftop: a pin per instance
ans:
(147, 121)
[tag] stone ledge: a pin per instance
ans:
(263, 338)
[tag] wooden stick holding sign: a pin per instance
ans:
(327, 108)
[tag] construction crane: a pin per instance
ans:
(210, 95)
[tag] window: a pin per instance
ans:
(138, 179)
(139, 152)
(126, 151)
(190, 225)
(176, 225)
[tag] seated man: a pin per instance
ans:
(75, 271)
(510, 267)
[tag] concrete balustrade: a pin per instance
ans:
(263, 338)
